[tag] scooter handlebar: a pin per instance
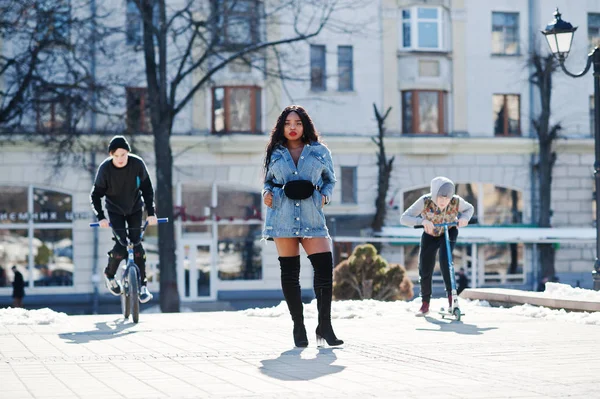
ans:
(438, 225)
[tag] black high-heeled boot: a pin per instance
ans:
(323, 280)
(290, 285)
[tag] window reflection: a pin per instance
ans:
(239, 104)
(46, 257)
(502, 261)
(238, 204)
(240, 252)
(14, 249)
(53, 257)
(195, 199)
(51, 206)
(219, 109)
(13, 205)
(503, 206)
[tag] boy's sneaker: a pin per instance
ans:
(112, 285)
(424, 310)
(145, 295)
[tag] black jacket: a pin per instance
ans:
(18, 286)
(123, 188)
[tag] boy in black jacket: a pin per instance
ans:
(123, 180)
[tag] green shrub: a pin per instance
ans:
(367, 275)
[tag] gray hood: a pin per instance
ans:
(436, 184)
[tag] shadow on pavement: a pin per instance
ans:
(291, 366)
(457, 327)
(102, 332)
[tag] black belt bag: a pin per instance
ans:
(298, 189)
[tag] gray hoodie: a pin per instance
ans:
(416, 213)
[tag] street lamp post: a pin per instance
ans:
(559, 34)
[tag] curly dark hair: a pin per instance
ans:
(309, 135)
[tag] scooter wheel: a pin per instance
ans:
(456, 314)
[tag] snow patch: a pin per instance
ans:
(19, 316)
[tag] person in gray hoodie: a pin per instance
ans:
(441, 205)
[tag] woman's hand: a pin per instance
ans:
(462, 222)
(151, 220)
(323, 199)
(428, 226)
(268, 199)
(104, 223)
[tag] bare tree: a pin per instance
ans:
(385, 170)
(205, 38)
(541, 77)
(47, 83)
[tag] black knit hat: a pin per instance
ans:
(118, 142)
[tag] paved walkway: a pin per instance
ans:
(490, 354)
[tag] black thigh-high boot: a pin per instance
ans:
(290, 285)
(323, 281)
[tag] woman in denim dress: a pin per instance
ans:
(294, 152)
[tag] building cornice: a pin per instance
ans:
(342, 144)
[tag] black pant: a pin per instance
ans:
(430, 245)
(126, 226)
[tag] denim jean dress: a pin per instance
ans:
(298, 218)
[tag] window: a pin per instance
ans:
(345, 69)
(134, 27)
(421, 29)
(238, 255)
(133, 24)
(423, 111)
(505, 33)
(53, 21)
(52, 110)
(507, 114)
(318, 74)
(349, 185)
(240, 252)
(594, 29)
(237, 22)
(236, 109)
(36, 236)
(138, 110)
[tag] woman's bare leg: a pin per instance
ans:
(316, 245)
(287, 246)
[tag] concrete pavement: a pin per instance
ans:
(490, 354)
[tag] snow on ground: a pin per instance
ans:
(538, 312)
(371, 308)
(12, 316)
(365, 309)
(565, 291)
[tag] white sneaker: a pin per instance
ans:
(112, 285)
(145, 295)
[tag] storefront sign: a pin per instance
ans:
(20, 217)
